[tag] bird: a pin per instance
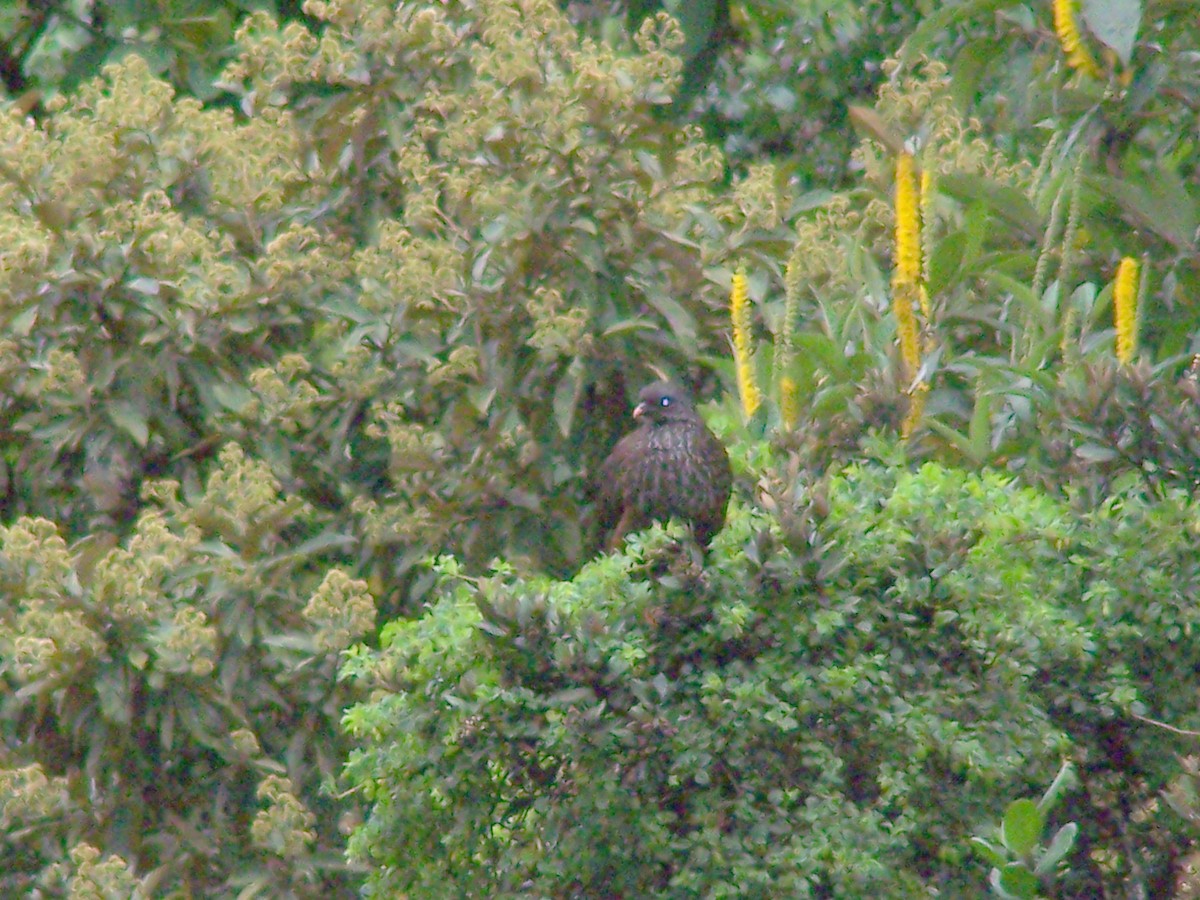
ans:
(670, 466)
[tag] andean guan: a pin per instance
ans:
(670, 466)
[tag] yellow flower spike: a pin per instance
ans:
(739, 315)
(1125, 297)
(789, 402)
(908, 288)
(908, 222)
(906, 278)
(926, 240)
(1066, 26)
(906, 328)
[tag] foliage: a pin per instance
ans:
(1020, 864)
(385, 298)
(154, 295)
(157, 666)
(531, 227)
(772, 81)
(387, 308)
(1095, 427)
(1117, 177)
(52, 46)
(155, 277)
(829, 708)
(1021, 232)
(778, 82)
(160, 688)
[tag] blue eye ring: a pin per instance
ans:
(665, 401)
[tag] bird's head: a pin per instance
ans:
(663, 402)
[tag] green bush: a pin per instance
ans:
(830, 708)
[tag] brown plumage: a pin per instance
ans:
(671, 466)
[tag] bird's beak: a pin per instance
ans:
(640, 410)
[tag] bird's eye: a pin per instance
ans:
(665, 401)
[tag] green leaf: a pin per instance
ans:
(1023, 294)
(820, 354)
(1161, 202)
(1017, 881)
(232, 396)
(1114, 23)
(872, 124)
(129, 419)
(22, 323)
(650, 164)
(1022, 826)
(980, 429)
(566, 396)
(813, 199)
(114, 693)
(933, 27)
(1064, 780)
(697, 18)
(145, 285)
(1060, 846)
(989, 851)
(972, 65)
(628, 325)
(1009, 203)
(1095, 453)
(946, 259)
(681, 321)
(579, 696)
(956, 439)
(319, 545)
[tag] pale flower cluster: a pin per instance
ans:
(285, 826)
(283, 394)
(242, 500)
(88, 874)
(341, 610)
(27, 794)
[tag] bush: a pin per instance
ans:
(830, 708)
(258, 362)
(255, 365)
(172, 699)
(415, 292)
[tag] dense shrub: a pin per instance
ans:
(168, 710)
(827, 709)
(172, 699)
(415, 292)
(259, 361)
(1102, 425)
(386, 308)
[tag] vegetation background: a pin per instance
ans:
(316, 318)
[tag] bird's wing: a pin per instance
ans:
(610, 493)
